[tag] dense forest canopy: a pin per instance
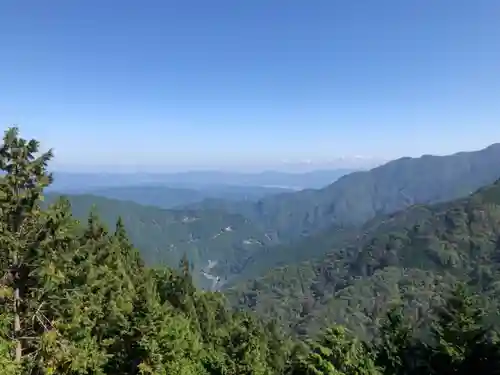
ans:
(76, 298)
(412, 256)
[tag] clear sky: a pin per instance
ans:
(225, 83)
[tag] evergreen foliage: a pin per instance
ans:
(77, 299)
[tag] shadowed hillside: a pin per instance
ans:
(411, 256)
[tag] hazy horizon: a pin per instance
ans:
(360, 163)
(284, 167)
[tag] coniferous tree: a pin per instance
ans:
(164, 342)
(69, 347)
(245, 348)
(280, 347)
(131, 256)
(335, 353)
(21, 186)
(462, 343)
(394, 346)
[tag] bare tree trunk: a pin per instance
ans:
(17, 326)
(17, 298)
(17, 319)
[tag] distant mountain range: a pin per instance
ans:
(360, 196)
(183, 189)
(285, 228)
(170, 197)
(83, 182)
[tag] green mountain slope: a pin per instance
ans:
(412, 256)
(164, 236)
(360, 196)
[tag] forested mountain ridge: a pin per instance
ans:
(357, 197)
(77, 299)
(164, 236)
(411, 256)
(170, 197)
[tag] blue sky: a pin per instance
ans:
(234, 84)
